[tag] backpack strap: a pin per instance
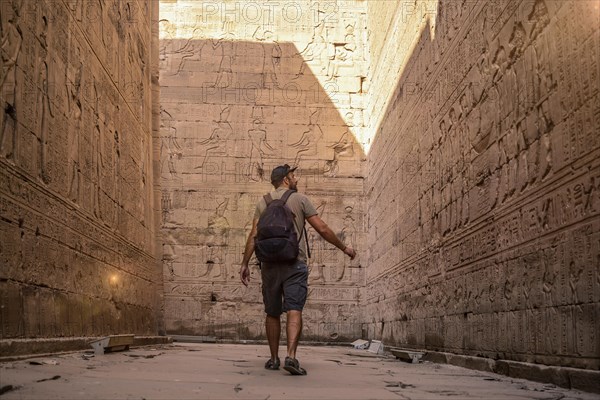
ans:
(307, 246)
(287, 195)
(268, 199)
(284, 198)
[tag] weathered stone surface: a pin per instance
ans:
(229, 370)
(12, 349)
(238, 98)
(78, 236)
(454, 144)
(483, 214)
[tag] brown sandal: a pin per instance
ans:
(293, 367)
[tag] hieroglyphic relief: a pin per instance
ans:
(74, 88)
(216, 143)
(506, 194)
(170, 149)
(63, 114)
(307, 144)
(344, 147)
(11, 38)
(271, 59)
(225, 44)
(260, 150)
(316, 51)
(249, 105)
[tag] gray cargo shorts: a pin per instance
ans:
(284, 287)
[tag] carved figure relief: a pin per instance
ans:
(226, 46)
(190, 51)
(544, 48)
(216, 144)
(344, 147)
(272, 54)
(343, 54)
(44, 106)
(170, 150)
(11, 39)
(307, 144)
(168, 32)
(483, 128)
(260, 149)
(169, 253)
(348, 235)
(316, 51)
(97, 161)
(217, 239)
(75, 112)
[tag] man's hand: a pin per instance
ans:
(245, 274)
(349, 251)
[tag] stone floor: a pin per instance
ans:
(224, 371)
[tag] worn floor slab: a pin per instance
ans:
(224, 371)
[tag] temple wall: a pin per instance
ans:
(77, 252)
(483, 198)
(247, 86)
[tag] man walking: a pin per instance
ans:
(285, 284)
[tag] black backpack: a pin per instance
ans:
(276, 238)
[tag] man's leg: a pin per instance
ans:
(273, 328)
(293, 329)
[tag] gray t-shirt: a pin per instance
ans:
(302, 209)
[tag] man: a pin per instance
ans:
(285, 285)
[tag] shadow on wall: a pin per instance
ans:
(231, 111)
(255, 105)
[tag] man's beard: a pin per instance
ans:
(293, 185)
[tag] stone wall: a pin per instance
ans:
(247, 86)
(486, 155)
(77, 223)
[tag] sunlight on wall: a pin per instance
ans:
(400, 41)
(328, 36)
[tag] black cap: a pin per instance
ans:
(281, 172)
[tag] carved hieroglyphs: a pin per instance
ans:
(493, 126)
(246, 87)
(476, 216)
(78, 250)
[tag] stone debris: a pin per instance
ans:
(361, 344)
(376, 347)
(181, 374)
(406, 355)
(43, 362)
(112, 343)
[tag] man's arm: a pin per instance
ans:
(248, 251)
(326, 233)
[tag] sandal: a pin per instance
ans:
(273, 365)
(293, 366)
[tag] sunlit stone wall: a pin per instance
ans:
(247, 86)
(77, 247)
(483, 197)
